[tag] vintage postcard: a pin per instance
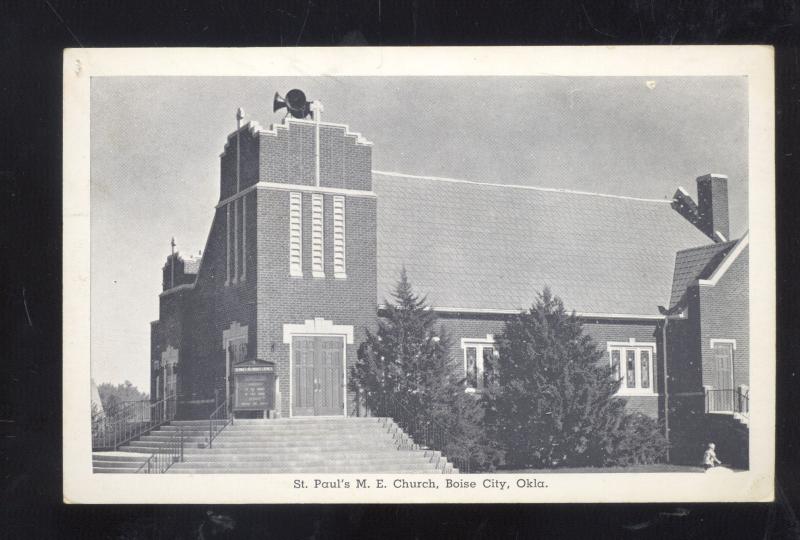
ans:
(419, 275)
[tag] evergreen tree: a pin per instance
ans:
(551, 401)
(405, 360)
(402, 370)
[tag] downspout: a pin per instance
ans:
(668, 314)
(666, 382)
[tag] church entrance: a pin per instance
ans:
(317, 375)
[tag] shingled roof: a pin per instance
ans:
(490, 247)
(696, 263)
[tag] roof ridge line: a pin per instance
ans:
(518, 186)
(710, 245)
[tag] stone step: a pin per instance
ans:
(308, 445)
(117, 462)
(322, 421)
(96, 467)
(372, 428)
(355, 440)
(272, 450)
(119, 456)
(264, 445)
(361, 469)
(309, 462)
(369, 431)
(102, 470)
(273, 456)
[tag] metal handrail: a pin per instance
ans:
(427, 432)
(728, 400)
(217, 421)
(163, 458)
(136, 418)
(118, 408)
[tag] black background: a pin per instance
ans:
(32, 36)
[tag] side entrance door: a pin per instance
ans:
(723, 377)
(317, 378)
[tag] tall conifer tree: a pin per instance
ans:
(403, 369)
(551, 401)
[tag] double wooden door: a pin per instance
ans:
(317, 376)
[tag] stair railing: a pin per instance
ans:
(428, 433)
(728, 401)
(217, 421)
(167, 454)
(130, 420)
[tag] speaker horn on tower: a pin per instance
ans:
(295, 104)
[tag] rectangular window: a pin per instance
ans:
(339, 269)
(295, 234)
(478, 357)
(317, 236)
(645, 369)
(630, 367)
(472, 368)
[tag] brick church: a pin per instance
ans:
(307, 241)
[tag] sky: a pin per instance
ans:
(155, 145)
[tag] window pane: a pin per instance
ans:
(630, 368)
(488, 355)
(472, 367)
(645, 356)
(615, 368)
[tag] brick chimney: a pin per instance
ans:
(712, 206)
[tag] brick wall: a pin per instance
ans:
(283, 299)
(462, 326)
(249, 166)
(724, 313)
(169, 330)
(214, 306)
(288, 156)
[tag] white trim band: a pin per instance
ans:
(317, 326)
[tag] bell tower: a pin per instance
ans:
(316, 236)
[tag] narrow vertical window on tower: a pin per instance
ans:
(339, 268)
(235, 241)
(317, 236)
(227, 244)
(244, 236)
(295, 234)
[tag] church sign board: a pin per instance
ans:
(254, 385)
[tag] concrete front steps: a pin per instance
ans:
(118, 462)
(297, 445)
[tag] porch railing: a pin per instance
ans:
(728, 401)
(217, 421)
(167, 454)
(427, 433)
(128, 421)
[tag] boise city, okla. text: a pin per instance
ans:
(428, 483)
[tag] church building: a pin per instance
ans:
(307, 242)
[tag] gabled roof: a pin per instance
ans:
(489, 247)
(693, 264)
